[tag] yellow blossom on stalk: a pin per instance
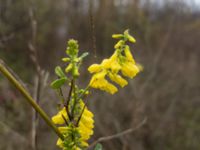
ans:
(121, 61)
(84, 128)
(128, 55)
(130, 70)
(118, 79)
(119, 44)
(94, 68)
(98, 81)
(129, 37)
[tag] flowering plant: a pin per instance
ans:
(76, 120)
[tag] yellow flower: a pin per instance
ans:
(114, 56)
(69, 68)
(114, 62)
(129, 69)
(110, 88)
(129, 37)
(94, 68)
(98, 81)
(115, 67)
(119, 44)
(118, 79)
(104, 85)
(128, 54)
(140, 67)
(85, 126)
(58, 119)
(59, 143)
(117, 36)
(106, 63)
(96, 78)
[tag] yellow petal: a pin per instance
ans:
(58, 118)
(128, 54)
(59, 143)
(106, 63)
(68, 68)
(97, 78)
(117, 36)
(87, 121)
(130, 70)
(114, 56)
(88, 113)
(94, 68)
(115, 66)
(118, 79)
(84, 144)
(110, 88)
(140, 67)
(131, 39)
(119, 44)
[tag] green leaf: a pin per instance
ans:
(56, 84)
(59, 72)
(84, 55)
(98, 147)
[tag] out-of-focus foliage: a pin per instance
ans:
(167, 91)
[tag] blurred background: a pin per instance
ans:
(33, 35)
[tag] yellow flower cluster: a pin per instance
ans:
(121, 61)
(84, 128)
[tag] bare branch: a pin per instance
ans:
(28, 97)
(118, 135)
(92, 25)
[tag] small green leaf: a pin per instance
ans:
(56, 84)
(98, 147)
(59, 72)
(84, 55)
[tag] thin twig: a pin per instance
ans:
(61, 95)
(29, 99)
(12, 133)
(66, 122)
(35, 118)
(118, 135)
(79, 118)
(38, 84)
(93, 38)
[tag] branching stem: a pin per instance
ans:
(118, 135)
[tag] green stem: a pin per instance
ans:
(27, 96)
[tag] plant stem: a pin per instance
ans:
(75, 99)
(68, 100)
(27, 96)
(81, 96)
